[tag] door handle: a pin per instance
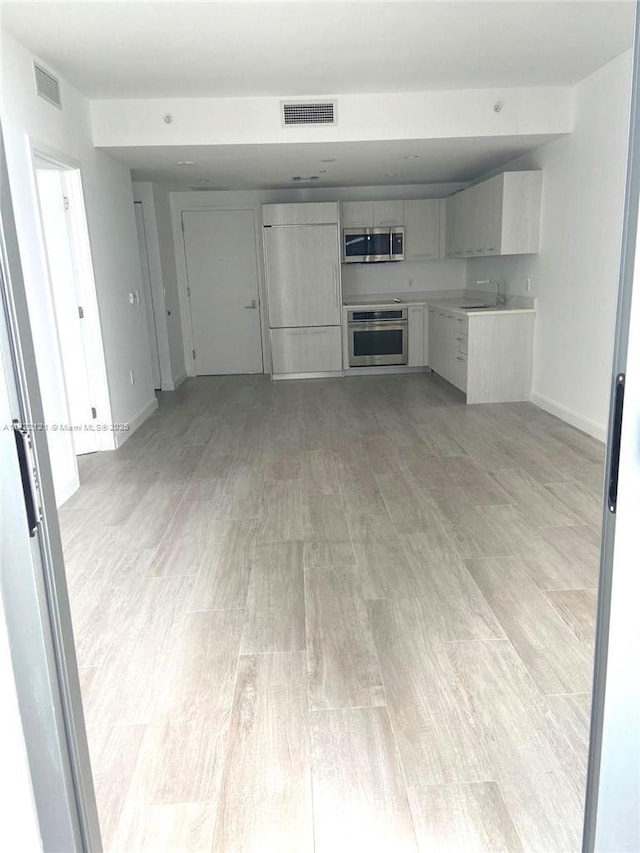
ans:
(252, 304)
(616, 434)
(29, 477)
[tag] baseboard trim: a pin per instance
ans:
(136, 421)
(381, 370)
(179, 380)
(328, 374)
(576, 420)
(175, 383)
(64, 492)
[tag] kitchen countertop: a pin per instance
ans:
(454, 304)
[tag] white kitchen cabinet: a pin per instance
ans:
(422, 229)
(302, 267)
(388, 213)
(316, 349)
(417, 334)
(500, 216)
(487, 356)
(357, 214)
(301, 213)
(453, 226)
(441, 341)
(433, 348)
(372, 214)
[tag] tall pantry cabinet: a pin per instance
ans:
(304, 296)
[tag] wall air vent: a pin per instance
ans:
(298, 113)
(47, 86)
(308, 178)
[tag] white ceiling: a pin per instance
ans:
(125, 49)
(356, 163)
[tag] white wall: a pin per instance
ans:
(407, 115)
(575, 274)
(403, 277)
(28, 119)
(356, 278)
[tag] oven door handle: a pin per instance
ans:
(389, 325)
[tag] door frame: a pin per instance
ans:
(150, 310)
(35, 598)
(183, 280)
(71, 176)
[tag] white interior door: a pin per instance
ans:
(612, 816)
(222, 274)
(148, 298)
(303, 275)
(69, 311)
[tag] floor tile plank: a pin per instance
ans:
(275, 620)
(556, 660)
(359, 798)
(342, 664)
(265, 802)
(471, 818)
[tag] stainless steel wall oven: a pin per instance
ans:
(377, 337)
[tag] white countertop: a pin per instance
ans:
(454, 304)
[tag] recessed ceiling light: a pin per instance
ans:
(186, 163)
(410, 156)
(329, 160)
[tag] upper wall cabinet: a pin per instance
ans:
(424, 229)
(372, 214)
(306, 213)
(500, 216)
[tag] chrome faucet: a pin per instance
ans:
(501, 297)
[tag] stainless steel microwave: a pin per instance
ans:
(372, 245)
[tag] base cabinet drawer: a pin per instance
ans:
(315, 349)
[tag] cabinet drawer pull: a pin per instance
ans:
(460, 358)
(307, 331)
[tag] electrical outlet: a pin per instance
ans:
(132, 377)
(132, 299)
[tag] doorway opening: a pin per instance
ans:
(72, 309)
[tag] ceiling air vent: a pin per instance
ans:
(47, 86)
(308, 112)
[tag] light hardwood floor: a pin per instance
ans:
(337, 615)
